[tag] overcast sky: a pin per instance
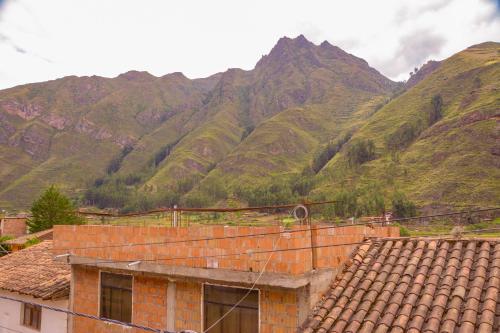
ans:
(42, 40)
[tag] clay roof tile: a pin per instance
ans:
(34, 272)
(422, 285)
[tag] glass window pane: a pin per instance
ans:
(116, 297)
(243, 319)
(31, 316)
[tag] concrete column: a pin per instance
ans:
(69, 321)
(171, 306)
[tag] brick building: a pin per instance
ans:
(186, 278)
(13, 226)
(20, 242)
(29, 280)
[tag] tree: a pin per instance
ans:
(402, 207)
(403, 136)
(360, 152)
(50, 209)
(436, 111)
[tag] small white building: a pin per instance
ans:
(32, 276)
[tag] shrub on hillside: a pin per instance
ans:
(361, 152)
(435, 113)
(214, 189)
(402, 206)
(276, 193)
(115, 163)
(197, 199)
(328, 152)
(403, 136)
(302, 184)
(111, 193)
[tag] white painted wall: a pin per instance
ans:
(10, 315)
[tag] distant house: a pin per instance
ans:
(33, 276)
(177, 284)
(13, 226)
(19, 243)
(414, 285)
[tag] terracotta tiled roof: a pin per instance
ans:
(41, 235)
(414, 285)
(33, 271)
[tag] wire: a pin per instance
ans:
(252, 235)
(248, 292)
(479, 230)
(10, 329)
(204, 210)
(84, 315)
(230, 254)
(209, 238)
(96, 262)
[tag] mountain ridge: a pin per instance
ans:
(143, 135)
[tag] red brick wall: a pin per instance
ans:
(292, 262)
(149, 302)
(14, 227)
(188, 306)
(278, 308)
(334, 256)
(86, 298)
(278, 311)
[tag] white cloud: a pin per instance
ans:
(199, 38)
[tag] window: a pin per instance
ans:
(243, 319)
(31, 316)
(116, 297)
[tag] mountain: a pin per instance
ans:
(152, 140)
(68, 130)
(439, 141)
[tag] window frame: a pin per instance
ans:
(99, 296)
(203, 314)
(32, 307)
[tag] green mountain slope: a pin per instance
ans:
(67, 131)
(308, 112)
(453, 161)
(326, 82)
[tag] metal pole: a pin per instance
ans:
(175, 216)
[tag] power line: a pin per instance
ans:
(84, 315)
(254, 235)
(212, 238)
(258, 234)
(205, 210)
(250, 253)
(229, 254)
(248, 292)
(10, 329)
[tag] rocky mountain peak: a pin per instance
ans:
(137, 76)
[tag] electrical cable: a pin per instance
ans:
(248, 292)
(84, 315)
(97, 262)
(259, 234)
(10, 329)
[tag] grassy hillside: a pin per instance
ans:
(264, 122)
(68, 131)
(308, 121)
(453, 161)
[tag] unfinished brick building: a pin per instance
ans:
(187, 278)
(13, 226)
